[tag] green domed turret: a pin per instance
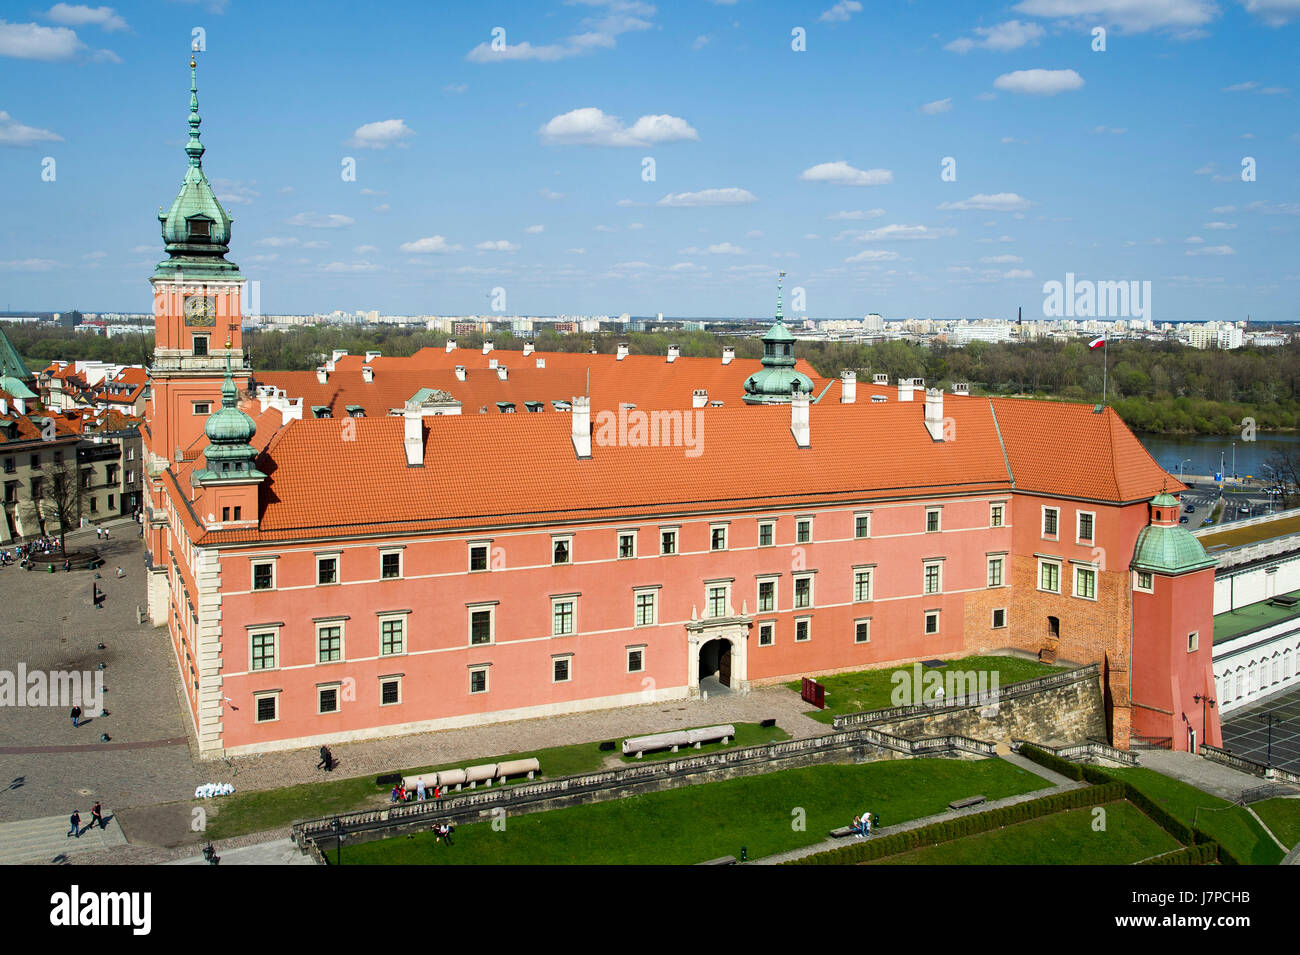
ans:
(196, 229)
(229, 453)
(1166, 547)
(774, 384)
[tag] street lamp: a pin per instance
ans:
(1180, 467)
(1270, 719)
(337, 828)
(1203, 700)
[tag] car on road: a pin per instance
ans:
(1183, 519)
(1243, 510)
(1190, 508)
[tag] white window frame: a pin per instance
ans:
(938, 623)
(1193, 641)
(637, 594)
(861, 516)
(470, 610)
(274, 631)
(799, 523)
(321, 689)
(388, 618)
(639, 648)
(1001, 561)
(677, 541)
(997, 514)
(1042, 562)
(567, 540)
(771, 525)
(337, 557)
(252, 574)
(807, 622)
(487, 681)
(775, 581)
(770, 627)
(401, 564)
(392, 678)
(713, 529)
(993, 620)
(708, 599)
(1078, 526)
(938, 520)
(1137, 582)
(487, 556)
(859, 622)
(869, 570)
(194, 407)
(1075, 589)
(573, 614)
(812, 600)
(567, 659)
(618, 547)
(343, 640)
(1042, 523)
(925, 577)
(258, 697)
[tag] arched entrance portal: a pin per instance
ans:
(715, 665)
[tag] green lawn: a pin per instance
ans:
(1282, 815)
(1064, 838)
(874, 689)
(700, 822)
(1230, 825)
(257, 811)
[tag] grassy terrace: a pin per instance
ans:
(1232, 826)
(1252, 534)
(696, 823)
(873, 689)
(1283, 817)
(259, 810)
(1064, 838)
(1232, 623)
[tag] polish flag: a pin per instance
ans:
(1097, 343)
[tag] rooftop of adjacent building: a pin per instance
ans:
(1259, 530)
(1256, 616)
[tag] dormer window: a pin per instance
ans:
(200, 228)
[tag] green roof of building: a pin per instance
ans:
(1169, 550)
(229, 454)
(1252, 617)
(11, 363)
(16, 387)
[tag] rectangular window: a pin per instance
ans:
(391, 637)
(1144, 580)
(645, 608)
(717, 600)
(862, 526)
(995, 514)
(478, 557)
(995, 572)
(718, 538)
(1050, 515)
(264, 576)
(932, 520)
(560, 669)
(390, 565)
(999, 618)
(766, 533)
(862, 631)
(110, 506)
(668, 542)
(200, 345)
(480, 627)
(561, 550)
(1049, 576)
(36, 461)
(390, 692)
(933, 577)
(1193, 641)
(1085, 583)
(802, 592)
(225, 514)
(931, 621)
(861, 585)
(561, 618)
(238, 509)
(802, 630)
(266, 708)
(329, 644)
(263, 652)
(328, 697)
(626, 544)
(803, 531)
(478, 680)
(92, 505)
(327, 570)
(202, 407)
(766, 634)
(1086, 519)
(635, 659)
(766, 596)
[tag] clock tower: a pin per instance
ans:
(197, 336)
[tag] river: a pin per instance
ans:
(1204, 451)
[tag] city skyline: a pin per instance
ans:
(523, 167)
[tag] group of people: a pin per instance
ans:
(96, 816)
(26, 555)
(862, 824)
(400, 793)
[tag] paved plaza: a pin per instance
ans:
(1245, 734)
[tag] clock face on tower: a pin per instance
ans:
(201, 311)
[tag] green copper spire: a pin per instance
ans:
(229, 455)
(779, 279)
(778, 378)
(196, 229)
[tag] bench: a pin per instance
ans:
(843, 832)
(966, 803)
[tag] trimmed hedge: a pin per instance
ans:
(1188, 855)
(951, 829)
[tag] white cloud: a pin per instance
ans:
(455, 88)
(1241, 87)
(841, 12)
(383, 207)
(720, 248)
(873, 255)
(435, 244)
(69, 15)
(590, 126)
(367, 191)
(1219, 225)
(889, 233)
(233, 192)
(1011, 35)
(1274, 13)
(1213, 250)
(634, 226)
(498, 245)
(840, 173)
(317, 220)
(1223, 210)
(28, 265)
(550, 194)
(1275, 90)
(95, 255)
(1001, 238)
(1002, 259)
(618, 17)
(1018, 274)
(350, 267)
(1130, 16)
(686, 267)
(30, 41)
(381, 134)
(855, 215)
(1039, 82)
(16, 134)
(938, 106)
(997, 202)
(576, 251)
(754, 234)
(709, 197)
(1207, 170)
(1013, 139)
(279, 242)
(700, 42)
(535, 229)
(1194, 240)
(365, 250)
(603, 228)
(1103, 130)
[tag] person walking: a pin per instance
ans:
(75, 828)
(326, 759)
(76, 716)
(97, 815)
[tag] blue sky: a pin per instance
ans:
(523, 167)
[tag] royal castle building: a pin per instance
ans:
(394, 545)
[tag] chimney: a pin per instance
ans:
(878, 399)
(338, 353)
(934, 413)
(487, 345)
(529, 348)
(961, 388)
(413, 439)
(581, 409)
(367, 374)
(541, 363)
(372, 355)
(674, 352)
(848, 387)
(321, 374)
(799, 419)
(904, 389)
(622, 351)
(492, 362)
(503, 372)
(451, 345)
(460, 372)
(881, 379)
(699, 398)
(728, 354)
